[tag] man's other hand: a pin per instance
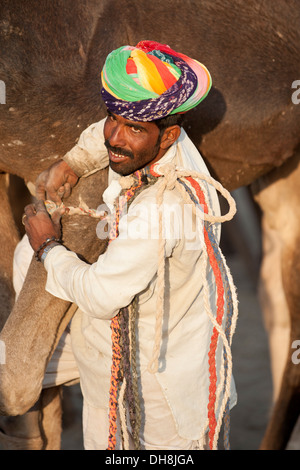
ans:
(38, 224)
(56, 182)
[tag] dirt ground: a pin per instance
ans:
(251, 371)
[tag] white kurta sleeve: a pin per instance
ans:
(124, 270)
(89, 154)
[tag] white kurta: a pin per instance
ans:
(129, 268)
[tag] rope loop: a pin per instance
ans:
(171, 176)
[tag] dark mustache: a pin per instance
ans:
(118, 150)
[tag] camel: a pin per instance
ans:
(247, 130)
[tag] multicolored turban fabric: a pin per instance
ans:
(151, 81)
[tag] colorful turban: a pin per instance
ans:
(151, 81)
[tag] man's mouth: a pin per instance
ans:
(116, 157)
(117, 154)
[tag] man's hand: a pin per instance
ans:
(38, 224)
(56, 182)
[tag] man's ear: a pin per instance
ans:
(170, 136)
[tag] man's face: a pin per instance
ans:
(131, 145)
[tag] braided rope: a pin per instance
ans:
(116, 338)
(123, 415)
(223, 289)
(212, 423)
(114, 382)
(82, 209)
(135, 389)
(214, 338)
(231, 317)
(171, 181)
(153, 364)
(230, 329)
(125, 351)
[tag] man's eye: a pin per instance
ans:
(135, 129)
(110, 117)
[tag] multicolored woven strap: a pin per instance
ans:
(223, 293)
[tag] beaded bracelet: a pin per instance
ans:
(43, 245)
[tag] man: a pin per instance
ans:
(150, 328)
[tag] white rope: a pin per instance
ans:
(123, 416)
(170, 181)
(82, 209)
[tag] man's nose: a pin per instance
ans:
(117, 136)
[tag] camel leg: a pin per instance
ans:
(52, 417)
(280, 202)
(38, 319)
(274, 305)
(9, 238)
(38, 429)
(35, 326)
(33, 430)
(287, 407)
